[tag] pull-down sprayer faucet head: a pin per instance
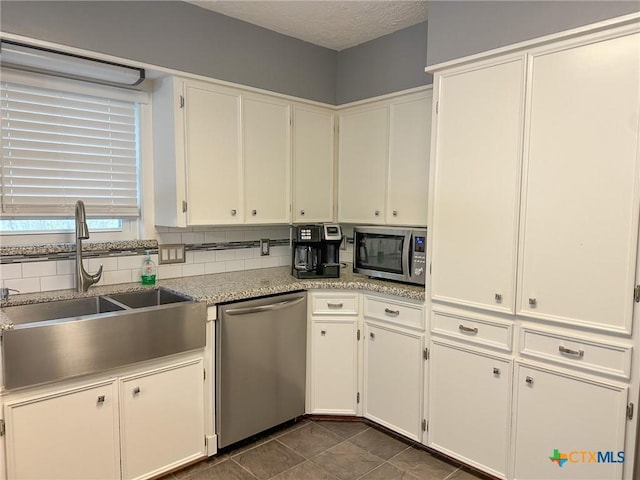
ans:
(83, 279)
(82, 231)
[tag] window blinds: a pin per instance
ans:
(59, 147)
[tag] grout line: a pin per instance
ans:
(243, 467)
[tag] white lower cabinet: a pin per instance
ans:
(334, 367)
(470, 405)
(568, 426)
(162, 419)
(70, 434)
(393, 378)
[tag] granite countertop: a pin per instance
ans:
(230, 286)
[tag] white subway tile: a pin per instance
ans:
(57, 282)
(234, 265)
(235, 235)
(204, 256)
(24, 285)
(253, 263)
(130, 262)
(190, 270)
(193, 238)
(189, 257)
(65, 267)
(280, 251)
(245, 253)
(214, 267)
(165, 238)
(215, 237)
(270, 261)
(169, 271)
(108, 264)
(254, 234)
(284, 261)
(10, 270)
(38, 269)
(346, 256)
(225, 255)
(117, 276)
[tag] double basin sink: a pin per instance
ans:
(53, 341)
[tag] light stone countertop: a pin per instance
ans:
(230, 286)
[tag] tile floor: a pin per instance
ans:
(314, 449)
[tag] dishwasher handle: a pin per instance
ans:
(263, 308)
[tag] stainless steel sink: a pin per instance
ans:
(53, 341)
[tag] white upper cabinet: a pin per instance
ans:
(581, 184)
(383, 161)
(313, 164)
(476, 185)
(212, 154)
(409, 143)
(266, 151)
(363, 151)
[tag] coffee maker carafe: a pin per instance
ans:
(316, 251)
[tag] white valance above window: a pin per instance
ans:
(60, 146)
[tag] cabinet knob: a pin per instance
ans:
(395, 213)
(533, 302)
(498, 297)
(234, 212)
(100, 399)
(136, 390)
(301, 212)
(496, 371)
(254, 212)
(377, 213)
(372, 335)
(529, 380)
(323, 332)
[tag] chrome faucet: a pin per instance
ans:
(83, 279)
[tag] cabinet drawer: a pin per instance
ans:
(334, 303)
(482, 332)
(577, 352)
(394, 311)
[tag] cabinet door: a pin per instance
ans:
(266, 154)
(334, 367)
(409, 143)
(477, 180)
(581, 185)
(362, 169)
(68, 435)
(560, 417)
(212, 153)
(313, 145)
(393, 379)
(162, 419)
(469, 406)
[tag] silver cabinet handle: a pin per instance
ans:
(100, 399)
(395, 213)
(234, 212)
(136, 390)
(335, 305)
(496, 371)
(254, 212)
(498, 297)
(569, 351)
(377, 213)
(533, 302)
(529, 380)
(301, 212)
(462, 328)
(372, 335)
(393, 313)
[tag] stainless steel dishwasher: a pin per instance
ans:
(260, 365)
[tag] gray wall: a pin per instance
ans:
(461, 28)
(183, 37)
(384, 65)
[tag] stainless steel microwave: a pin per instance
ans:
(392, 253)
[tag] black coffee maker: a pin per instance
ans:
(316, 251)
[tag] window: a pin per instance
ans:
(63, 141)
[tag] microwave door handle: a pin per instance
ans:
(406, 254)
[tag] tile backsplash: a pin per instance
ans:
(209, 250)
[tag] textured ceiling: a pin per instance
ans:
(329, 23)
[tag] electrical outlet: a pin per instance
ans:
(171, 253)
(264, 246)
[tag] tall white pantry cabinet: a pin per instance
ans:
(534, 216)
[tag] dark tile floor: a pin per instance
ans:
(314, 449)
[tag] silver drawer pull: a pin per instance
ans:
(393, 313)
(335, 305)
(462, 328)
(568, 351)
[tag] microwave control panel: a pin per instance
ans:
(419, 258)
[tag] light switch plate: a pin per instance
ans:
(264, 246)
(171, 253)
